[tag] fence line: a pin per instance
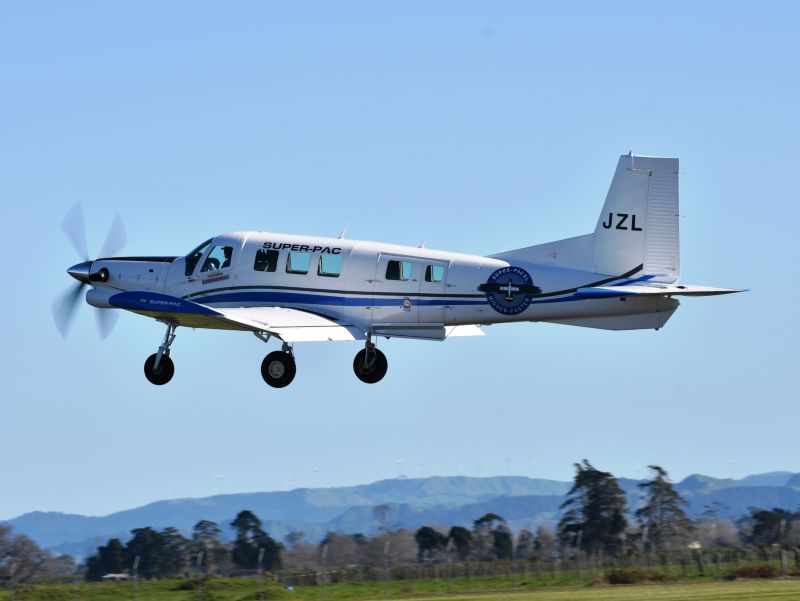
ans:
(581, 566)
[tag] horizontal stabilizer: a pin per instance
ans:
(652, 290)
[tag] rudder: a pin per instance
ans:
(639, 222)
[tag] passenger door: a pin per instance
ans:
(431, 288)
(395, 289)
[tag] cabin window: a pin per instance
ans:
(330, 266)
(218, 258)
(194, 256)
(298, 262)
(266, 260)
(434, 273)
(398, 270)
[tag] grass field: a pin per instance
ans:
(238, 589)
(705, 591)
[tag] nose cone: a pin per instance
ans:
(81, 271)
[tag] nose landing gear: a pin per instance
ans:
(370, 364)
(159, 368)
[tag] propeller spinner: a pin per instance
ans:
(65, 306)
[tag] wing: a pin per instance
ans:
(290, 325)
(652, 290)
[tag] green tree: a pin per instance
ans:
(662, 517)
(769, 527)
(250, 539)
(109, 559)
(502, 542)
(175, 552)
(491, 536)
(462, 541)
(488, 520)
(161, 554)
(429, 543)
(205, 539)
(595, 511)
(147, 545)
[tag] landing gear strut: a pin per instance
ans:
(159, 368)
(278, 368)
(370, 364)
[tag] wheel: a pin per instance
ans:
(278, 369)
(374, 369)
(164, 372)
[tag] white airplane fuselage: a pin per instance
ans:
(361, 292)
(623, 276)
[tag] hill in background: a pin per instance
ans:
(453, 500)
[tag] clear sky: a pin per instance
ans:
(480, 126)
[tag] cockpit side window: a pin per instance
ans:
(218, 258)
(194, 256)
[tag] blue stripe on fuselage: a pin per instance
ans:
(349, 301)
(322, 299)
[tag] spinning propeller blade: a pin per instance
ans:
(75, 229)
(65, 306)
(115, 239)
(106, 320)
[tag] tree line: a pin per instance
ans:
(168, 553)
(595, 519)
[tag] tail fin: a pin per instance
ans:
(639, 222)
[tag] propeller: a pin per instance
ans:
(65, 305)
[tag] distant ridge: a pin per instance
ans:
(446, 500)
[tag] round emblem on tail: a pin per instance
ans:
(509, 290)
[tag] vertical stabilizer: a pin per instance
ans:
(639, 222)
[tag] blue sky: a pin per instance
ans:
(480, 126)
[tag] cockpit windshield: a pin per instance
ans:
(195, 255)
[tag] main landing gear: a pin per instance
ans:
(278, 368)
(370, 364)
(159, 368)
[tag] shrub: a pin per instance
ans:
(624, 576)
(753, 571)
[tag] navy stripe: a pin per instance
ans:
(330, 291)
(627, 274)
(140, 259)
(320, 299)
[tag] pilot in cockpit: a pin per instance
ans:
(228, 252)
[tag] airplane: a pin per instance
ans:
(296, 288)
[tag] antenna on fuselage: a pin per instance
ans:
(423, 243)
(344, 231)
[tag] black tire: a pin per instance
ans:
(164, 373)
(373, 371)
(278, 369)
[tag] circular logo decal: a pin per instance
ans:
(509, 290)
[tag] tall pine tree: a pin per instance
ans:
(662, 521)
(250, 539)
(595, 511)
